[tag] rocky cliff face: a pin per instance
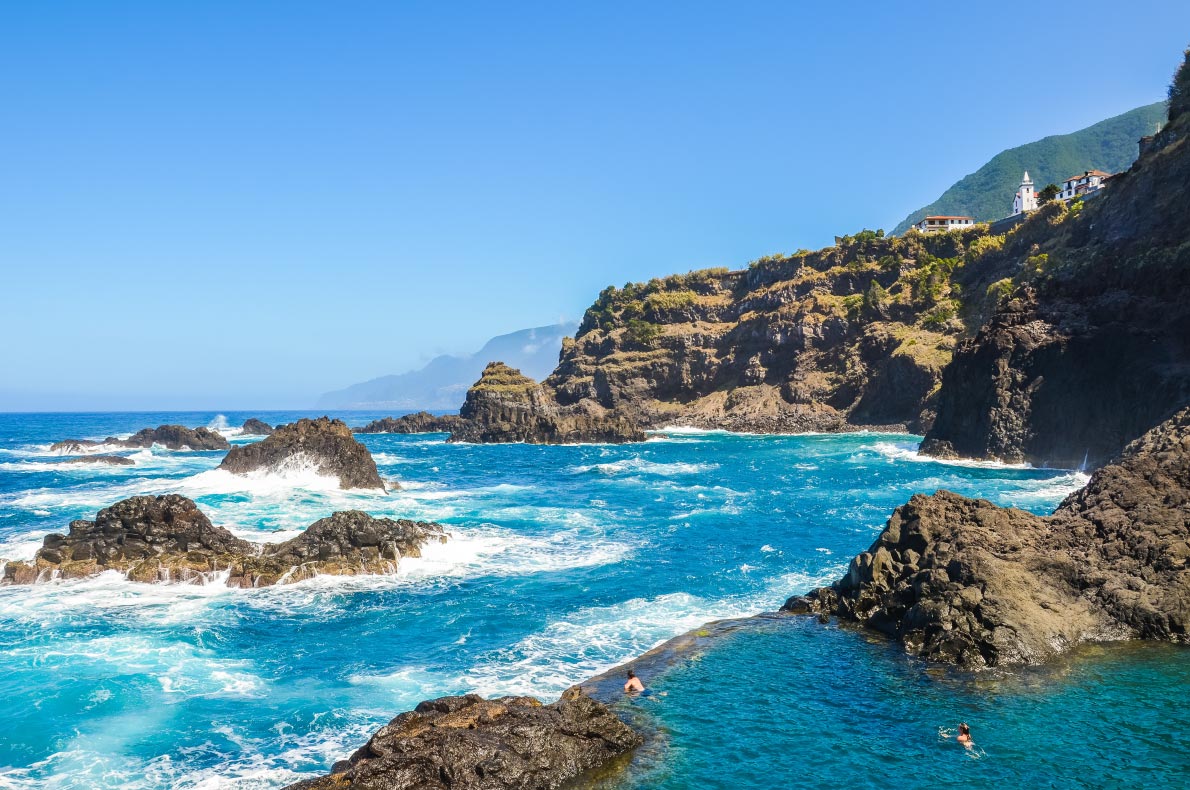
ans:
(505, 406)
(1093, 346)
(852, 335)
(167, 538)
(173, 437)
(470, 743)
(325, 444)
(419, 422)
(965, 581)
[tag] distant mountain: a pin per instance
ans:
(442, 384)
(986, 194)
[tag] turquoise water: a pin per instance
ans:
(564, 561)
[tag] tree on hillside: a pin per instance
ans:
(1048, 193)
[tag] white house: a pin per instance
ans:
(941, 224)
(1026, 199)
(1080, 186)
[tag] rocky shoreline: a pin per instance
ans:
(172, 437)
(418, 422)
(325, 445)
(168, 539)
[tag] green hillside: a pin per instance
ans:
(987, 193)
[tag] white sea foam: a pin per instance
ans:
(221, 426)
(644, 466)
(909, 452)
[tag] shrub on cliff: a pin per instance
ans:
(1179, 89)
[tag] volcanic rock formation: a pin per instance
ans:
(470, 743)
(167, 538)
(173, 437)
(326, 445)
(109, 460)
(255, 427)
(506, 406)
(965, 581)
(419, 422)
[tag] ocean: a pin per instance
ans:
(564, 562)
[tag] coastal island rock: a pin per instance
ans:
(325, 444)
(471, 743)
(167, 538)
(507, 406)
(419, 422)
(968, 582)
(255, 427)
(172, 437)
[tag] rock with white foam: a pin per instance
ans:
(171, 437)
(255, 427)
(168, 539)
(326, 445)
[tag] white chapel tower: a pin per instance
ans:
(1026, 198)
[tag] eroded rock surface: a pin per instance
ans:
(965, 581)
(108, 460)
(471, 743)
(506, 406)
(173, 437)
(324, 444)
(419, 422)
(167, 538)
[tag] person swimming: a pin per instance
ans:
(965, 736)
(633, 683)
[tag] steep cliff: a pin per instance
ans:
(1092, 345)
(853, 335)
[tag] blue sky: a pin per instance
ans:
(241, 205)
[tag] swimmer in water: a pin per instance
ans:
(633, 683)
(965, 736)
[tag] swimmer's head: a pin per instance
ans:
(631, 674)
(964, 729)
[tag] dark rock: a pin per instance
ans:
(255, 427)
(167, 538)
(470, 743)
(505, 406)
(968, 582)
(326, 444)
(110, 460)
(173, 437)
(420, 422)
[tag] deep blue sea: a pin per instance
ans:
(564, 562)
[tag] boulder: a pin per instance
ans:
(255, 427)
(325, 444)
(420, 422)
(172, 437)
(167, 538)
(472, 743)
(967, 582)
(506, 406)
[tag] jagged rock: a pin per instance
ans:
(506, 406)
(110, 460)
(470, 743)
(167, 538)
(173, 437)
(255, 427)
(326, 444)
(1091, 351)
(965, 581)
(420, 422)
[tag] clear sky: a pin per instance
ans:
(241, 205)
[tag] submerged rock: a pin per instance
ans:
(420, 422)
(506, 406)
(255, 427)
(965, 581)
(167, 538)
(471, 743)
(325, 444)
(173, 437)
(110, 460)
